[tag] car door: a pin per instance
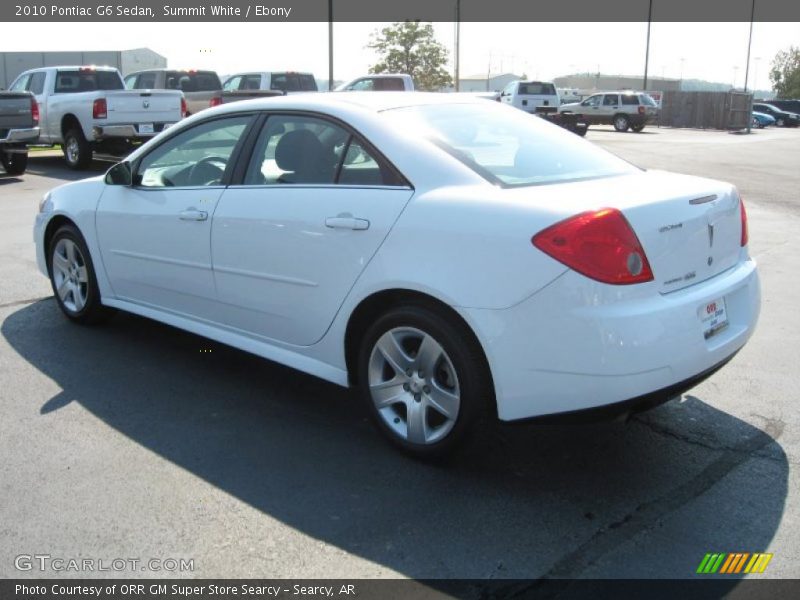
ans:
(291, 239)
(591, 108)
(609, 108)
(155, 235)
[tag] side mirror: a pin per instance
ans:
(119, 174)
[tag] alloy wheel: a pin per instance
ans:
(70, 276)
(413, 385)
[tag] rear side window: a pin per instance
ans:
(293, 82)
(71, 82)
(537, 89)
(610, 100)
(36, 84)
(631, 99)
(20, 84)
(251, 82)
(647, 100)
(294, 149)
(193, 81)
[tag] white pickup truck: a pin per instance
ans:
(88, 110)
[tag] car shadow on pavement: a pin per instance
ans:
(646, 498)
(53, 166)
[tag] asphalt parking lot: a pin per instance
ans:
(136, 440)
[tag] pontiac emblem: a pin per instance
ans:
(146, 103)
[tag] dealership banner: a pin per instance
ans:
(400, 10)
(397, 589)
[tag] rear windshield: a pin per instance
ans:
(507, 146)
(70, 82)
(537, 88)
(193, 81)
(293, 82)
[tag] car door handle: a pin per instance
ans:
(346, 223)
(192, 214)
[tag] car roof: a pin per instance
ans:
(73, 67)
(374, 101)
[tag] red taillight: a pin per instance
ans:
(743, 214)
(100, 109)
(641, 110)
(599, 244)
(183, 108)
(34, 111)
(215, 101)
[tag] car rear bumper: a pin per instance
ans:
(20, 136)
(102, 132)
(579, 345)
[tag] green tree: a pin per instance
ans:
(410, 47)
(785, 73)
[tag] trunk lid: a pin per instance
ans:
(689, 227)
(143, 106)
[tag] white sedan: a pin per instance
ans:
(450, 257)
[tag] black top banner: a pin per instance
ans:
(401, 10)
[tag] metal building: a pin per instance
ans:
(127, 61)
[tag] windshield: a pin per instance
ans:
(508, 146)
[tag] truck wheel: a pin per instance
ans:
(14, 164)
(621, 123)
(638, 128)
(77, 151)
(581, 131)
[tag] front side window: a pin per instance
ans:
(507, 146)
(232, 83)
(193, 158)
(145, 81)
(307, 150)
(36, 84)
(592, 101)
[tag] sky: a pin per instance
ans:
(711, 51)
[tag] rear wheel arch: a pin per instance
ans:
(68, 122)
(375, 305)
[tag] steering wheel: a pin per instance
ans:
(207, 171)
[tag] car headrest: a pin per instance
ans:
(297, 150)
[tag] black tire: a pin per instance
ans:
(461, 351)
(581, 131)
(90, 310)
(638, 128)
(621, 122)
(14, 164)
(77, 151)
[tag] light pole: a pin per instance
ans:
(330, 45)
(749, 43)
(647, 48)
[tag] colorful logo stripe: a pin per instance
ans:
(734, 562)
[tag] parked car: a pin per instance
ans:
(623, 109)
(761, 120)
(449, 256)
(792, 106)
(531, 96)
(19, 125)
(286, 82)
(782, 118)
(87, 110)
(381, 82)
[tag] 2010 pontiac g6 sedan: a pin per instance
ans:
(450, 257)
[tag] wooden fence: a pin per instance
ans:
(705, 110)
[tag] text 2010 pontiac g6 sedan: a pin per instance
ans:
(449, 256)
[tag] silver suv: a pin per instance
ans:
(623, 109)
